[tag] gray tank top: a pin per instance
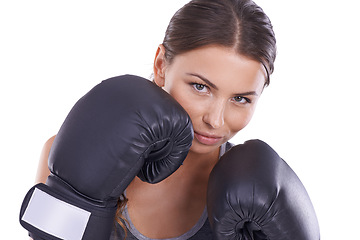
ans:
(200, 231)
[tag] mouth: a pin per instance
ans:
(207, 139)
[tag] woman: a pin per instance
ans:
(215, 60)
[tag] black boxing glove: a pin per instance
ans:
(123, 127)
(254, 195)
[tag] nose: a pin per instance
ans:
(214, 115)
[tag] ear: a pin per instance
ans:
(159, 66)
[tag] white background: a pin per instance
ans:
(53, 52)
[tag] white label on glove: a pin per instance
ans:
(56, 217)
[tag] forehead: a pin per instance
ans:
(222, 66)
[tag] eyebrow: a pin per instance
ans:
(208, 82)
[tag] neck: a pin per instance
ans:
(202, 160)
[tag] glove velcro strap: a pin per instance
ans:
(51, 215)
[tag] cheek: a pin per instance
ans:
(237, 120)
(182, 95)
(194, 109)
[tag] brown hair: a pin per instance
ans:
(122, 201)
(238, 24)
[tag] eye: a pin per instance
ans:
(200, 87)
(241, 100)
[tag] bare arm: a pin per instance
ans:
(43, 170)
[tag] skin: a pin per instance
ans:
(43, 171)
(220, 107)
(219, 89)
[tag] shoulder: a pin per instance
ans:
(48, 143)
(43, 170)
(46, 148)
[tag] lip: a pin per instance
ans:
(207, 139)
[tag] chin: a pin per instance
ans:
(199, 148)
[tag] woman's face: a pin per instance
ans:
(217, 87)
